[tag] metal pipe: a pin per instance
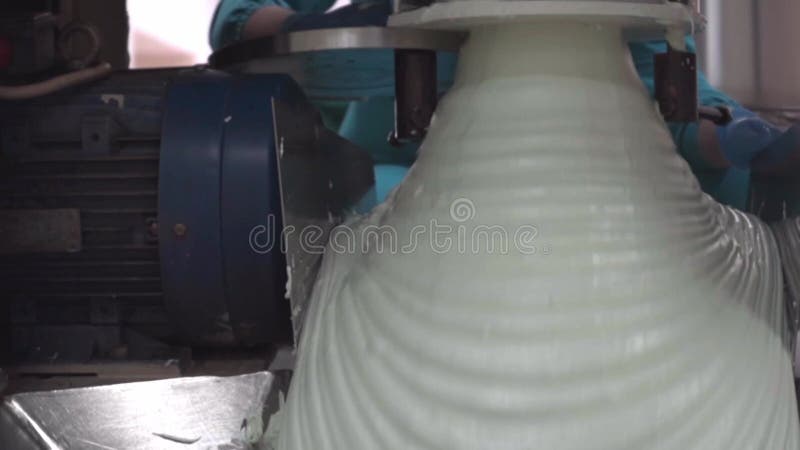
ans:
(55, 84)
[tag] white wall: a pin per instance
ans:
(169, 33)
(780, 53)
(753, 50)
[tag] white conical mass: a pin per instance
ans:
(618, 307)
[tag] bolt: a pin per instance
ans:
(179, 229)
(152, 227)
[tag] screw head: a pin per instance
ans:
(152, 227)
(179, 229)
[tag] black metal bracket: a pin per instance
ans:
(416, 94)
(676, 85)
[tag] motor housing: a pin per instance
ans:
(126, 204)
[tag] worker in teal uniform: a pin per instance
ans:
(365, 122)
(720, 156)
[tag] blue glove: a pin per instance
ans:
(746, 137)
(781, 150)
(353, 15)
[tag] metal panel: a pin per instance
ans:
(181, 413)
(40, 231)
(323, 177)
(13, 435)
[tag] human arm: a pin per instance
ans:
(237, 20)
(697, 142)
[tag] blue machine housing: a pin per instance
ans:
(170, 172)
(219, 183)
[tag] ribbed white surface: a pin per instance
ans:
(787, 235)
(650, 317)
(755, 276)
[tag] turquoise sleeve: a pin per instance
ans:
(231, 16)
(685, 135)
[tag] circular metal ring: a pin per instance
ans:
(336, 39)
(640, 20)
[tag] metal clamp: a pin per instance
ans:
(676, 85)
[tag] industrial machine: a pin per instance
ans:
(154, 204)
(124, 204)
(131, 215)
(127, 210)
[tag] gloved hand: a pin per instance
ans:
(787, 144)
(353, 15)
(783, 149)
(746, 137)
